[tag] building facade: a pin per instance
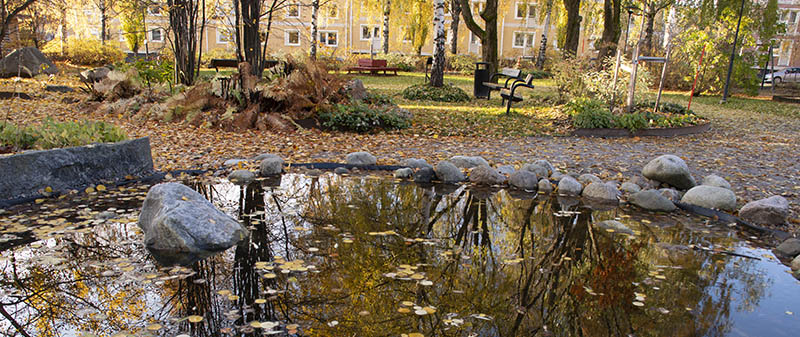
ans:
(787, 46)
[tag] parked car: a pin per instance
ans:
(785, 75)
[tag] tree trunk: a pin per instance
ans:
(647, 44)
(437, 71)
(611, 30)
(103, 20)
(249, 44)
(8, 15)
(543, 44)
(202, 34)
(183, 23)
(386, 12)
(272, 9)
(455, 13)
(573, 8)
(63, 29)
(314, 29)
(487, 35)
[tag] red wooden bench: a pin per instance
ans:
(373, 66)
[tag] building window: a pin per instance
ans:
(293, 10)
(156, 35)
(473, 39)
(369, 32)
(525, 9)
(329, 38)
(333, 11)
(523, 39)
(292, 38)
(223, 37)
(408, 35)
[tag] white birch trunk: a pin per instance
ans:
(386, 12)
(437, 71)
(314, 29)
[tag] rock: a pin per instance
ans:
(26, 62)
(506, 169)
(715, 180)
(788, 249)
(403, 173)
(263, 156)
(485, 175)
(540, 171)
(466, 162)
(628, 187)
(94, 75)
(671, 170)
(771, 211)
(314, 172)
(106, 215)
(569, 186)
(447, 172)
(644, 183)
(355, 89)
(271, 166)
(361, 158)
(556, 176)
(796, 263)
(241, 177)
(177, 219)
(615, 226)
(652, 200)
(600, 191)
(671, 194)
(341, 170)
(58, 88)
(588, 178)
(711, 197)
(24, 174)
(424, 175)
(545, 186)
(524, 180)
(546, 164)
(233, 162)
(415, 163)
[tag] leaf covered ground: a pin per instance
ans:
(753, 142)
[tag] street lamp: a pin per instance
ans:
(733, 55)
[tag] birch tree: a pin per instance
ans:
(543, 45)
(437, 71)
(314, 29)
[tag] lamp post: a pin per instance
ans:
(733, 55)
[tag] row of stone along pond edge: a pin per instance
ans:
(655, 132)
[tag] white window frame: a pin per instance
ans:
(525, 39)
(325, 42)
(296, 4)
(221, 38)
(474, 39)
(374, 32)
(286, 37)
(160, 35)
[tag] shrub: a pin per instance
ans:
(631, 121)
(424, 91)
(151, 72)
(51, 134)
(589, 113)
(462, 63)
(90, 52)
(404, 62)
(362, 117)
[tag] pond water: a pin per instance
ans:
(362, 256)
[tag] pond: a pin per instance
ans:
(367, 256)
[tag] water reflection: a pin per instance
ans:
(329, 256)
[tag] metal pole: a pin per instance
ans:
(733, 55)
(635, 60)
(766, 64)
(772, 65)
(663, 74)
(696, 75)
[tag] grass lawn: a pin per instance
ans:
(477, 117)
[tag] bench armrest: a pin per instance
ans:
(519, 84)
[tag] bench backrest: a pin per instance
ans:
(371, 63)
(233, 63)
(510, 72)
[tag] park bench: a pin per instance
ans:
(509, 73)
(373, 66)
(511, 95)
(233, 63)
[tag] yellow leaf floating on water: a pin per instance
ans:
(101, 188)
(260, 301)
(48, 189)
(184, 198)
(255, 324)
(89, 190)
(154, 327)
(195, 319)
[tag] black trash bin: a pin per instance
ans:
(481, 75)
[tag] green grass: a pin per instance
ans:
(756, 105)
(477, 117)
(50, 134)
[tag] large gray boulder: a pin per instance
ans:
(466, 162)
(711, 197)
(485, 175)
(24, 174)
(241, 177)
(506, 169)
(415, 163)
(601, 192)
(569, 186)
(424, 175)
(629, 187)
(449, 173)
(671, 194)
(588, 178)
(546, 164)
(772, 211)
(545, 186)
(403, 173)
(177, 219)
(788, 249)
(671, 170)
(539, 169)
(271, 166)
(361, 158)
(524, 180)
(259, 158)
(652, 200)
(26, 62)
(796, 263)
(715, 180)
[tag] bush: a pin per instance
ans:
(425, 92)
(362, 117)
(462, 63)
(51, 134)
(151, 72)
(90, 52)
(404, 62)
(589, 113)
